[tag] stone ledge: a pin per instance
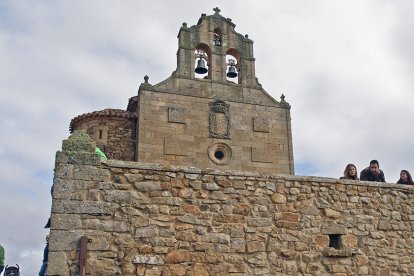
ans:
(339, 253)
(286, 177)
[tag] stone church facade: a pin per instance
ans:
(200, 181)
(204, 120)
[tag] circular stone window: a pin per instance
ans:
(220, 153)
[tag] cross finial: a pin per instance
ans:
(146, 79)
(282, 98)
(217, 10)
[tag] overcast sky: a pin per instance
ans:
(346, 68)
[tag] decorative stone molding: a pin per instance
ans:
(219, 119)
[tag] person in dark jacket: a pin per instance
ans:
(405, 178)
(350, 172)
(372, 173)
(43, 269)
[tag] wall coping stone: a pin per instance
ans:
(286, 177)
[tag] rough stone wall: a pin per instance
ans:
(114, 136)
(146, 219)
(175, 129)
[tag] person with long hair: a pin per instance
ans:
(350, 172)
(405, 178)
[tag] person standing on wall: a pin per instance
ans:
(372, 173)
(43, 269)
(1, 258)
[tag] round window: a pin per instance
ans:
(220, 153)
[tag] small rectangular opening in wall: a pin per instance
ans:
(335, 241)
(100, 134)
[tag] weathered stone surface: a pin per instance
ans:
(89, 172)
(178, 257)
(82, 207)
(255, 246)
(259, 222)
(148, 259)
(278, 198)
(57, 264)
(310, 210)
(148, 186)
(79, 141)
(335, 229)
(172, 226)
(66, 221)
(147, 232)
(332, 213)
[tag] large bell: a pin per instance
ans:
(232, 73)
(201, 67)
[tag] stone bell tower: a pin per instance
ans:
(212, 112)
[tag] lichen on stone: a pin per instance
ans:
(79, 141)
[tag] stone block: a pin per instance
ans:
(189, 218)
(64, 240)
(290, 217)
(70, 189)
(146, 232)
(262, 155)
(176, 115)
(103, 266)
(259, 222)
(87, 172)
(148, 186)
(211, 186)
(332, 213)
(66, 221)
(58, 263)
(217, 238)
(130, 197)
(238, 245)
(349, 241)
(255, 246)
(149, 259)
(278, 198)
(178, 148)
(334, 229)
(82, 207)
(260, 124)
(321, 241)
(178, 257)
(132, 178)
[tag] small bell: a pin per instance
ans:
(232, 73)
(201, 67)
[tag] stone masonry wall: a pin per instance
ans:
(114, 136)
(146, 219)
(174, 129)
